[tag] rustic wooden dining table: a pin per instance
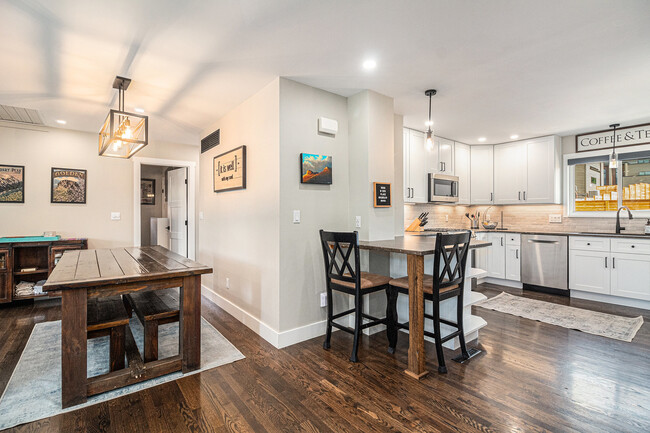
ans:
(415, 247)
(85, 274)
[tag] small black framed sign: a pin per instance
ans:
(68, 186)
(12, 183)
(148, 191)
(382, 194)
(229, 170)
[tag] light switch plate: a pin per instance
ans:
(357, 222)
(323, 299)
(200, 215)
(555, 218)
(116, 216)
(296, 217)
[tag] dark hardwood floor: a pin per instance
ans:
(531, 377)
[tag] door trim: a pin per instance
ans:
(191, 198)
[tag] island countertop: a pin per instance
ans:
(419, 245)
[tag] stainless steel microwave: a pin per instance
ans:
(443, 188)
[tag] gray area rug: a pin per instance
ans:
(592, 322)
(34, 390)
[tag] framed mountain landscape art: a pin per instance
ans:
(12, 183)
(315, 169)
(68, 186)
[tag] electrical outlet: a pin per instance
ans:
(446, 218)
(296, 217)
(200, 215)
(357, 222)
(555, 218)
(227, 283)
(323, 299)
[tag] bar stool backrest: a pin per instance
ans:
(341, 255)
(449, 260)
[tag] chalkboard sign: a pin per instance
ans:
(382, 194)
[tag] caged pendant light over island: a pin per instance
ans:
(123, 134)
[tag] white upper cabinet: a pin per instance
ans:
(462, 170)
(544, 170)
(528, 171)
(509, 173)
(481, 174)
(446, 156)
(416, 186)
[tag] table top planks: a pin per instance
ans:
(100, 267)
(413, 245)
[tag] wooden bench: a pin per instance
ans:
(153, 308)
(107, 316)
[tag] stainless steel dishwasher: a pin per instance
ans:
(544, 261)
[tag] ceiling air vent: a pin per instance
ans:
(20, 115)
(210, 141)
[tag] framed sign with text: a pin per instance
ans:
(229, 170)
(382, 194)
(627, 136)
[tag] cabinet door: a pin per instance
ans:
(543, 170)
(418, 178)
(513, 262)
(5, 276)
(432, 156)
(481, 254)
(497, 256)
(462, 170)
(446, 156)
(631, 275)
(589, 271)
(481, 179)
(56, 252)
(509, 173)
(407, 167)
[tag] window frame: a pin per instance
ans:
(569, 181)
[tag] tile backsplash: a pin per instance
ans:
(519, 217)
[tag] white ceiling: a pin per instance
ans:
(500, 66)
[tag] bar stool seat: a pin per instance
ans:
(403, 283)
(368, 281)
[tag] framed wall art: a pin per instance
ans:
(68, 186)
(148, 191)
(12, 183)
(315, 169)
(229, 170)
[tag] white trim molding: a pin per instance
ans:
(192, 187)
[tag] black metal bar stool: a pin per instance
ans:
(446, 282)
(343, 274)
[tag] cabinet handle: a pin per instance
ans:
(517, 253)
(501, 241)
(444, 166)
(605, 262)
(613, 262)
(588, 243)
(519, 196)
(632, 246)
(491, 196)
(524, 195)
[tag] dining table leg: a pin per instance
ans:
(190, 323)
(73, 347)
(416, 358)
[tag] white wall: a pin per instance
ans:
(302, 274)
(240, 232)
(109, 184)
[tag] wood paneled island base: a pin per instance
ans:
(85, 274)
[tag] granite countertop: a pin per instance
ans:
(419, 245)
(568, 233)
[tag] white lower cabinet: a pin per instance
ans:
(513, 263)
(589, 271)
(496, 256)
(630, 275)
(502, 259)
(595, 267)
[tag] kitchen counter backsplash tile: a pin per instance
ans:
(520, 217)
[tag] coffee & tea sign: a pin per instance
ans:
(627, 136)
(229, 170)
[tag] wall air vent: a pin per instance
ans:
(20, 115)
(211, 141)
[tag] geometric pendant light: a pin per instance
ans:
(123, 134)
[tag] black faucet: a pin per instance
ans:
(618, 218)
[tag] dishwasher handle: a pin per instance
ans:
(542, 241)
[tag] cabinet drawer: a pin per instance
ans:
(513, 239)
(624, 245)
(588, 243)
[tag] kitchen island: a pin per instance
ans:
(412, 255)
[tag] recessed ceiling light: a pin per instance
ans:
(61, 122)
(481, 139)
(139, 110)
(514, 137)
(369, 64)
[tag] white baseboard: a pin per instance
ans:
(277, 339)
(610, 299)
(507, 283)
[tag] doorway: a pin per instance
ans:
(164, 204)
